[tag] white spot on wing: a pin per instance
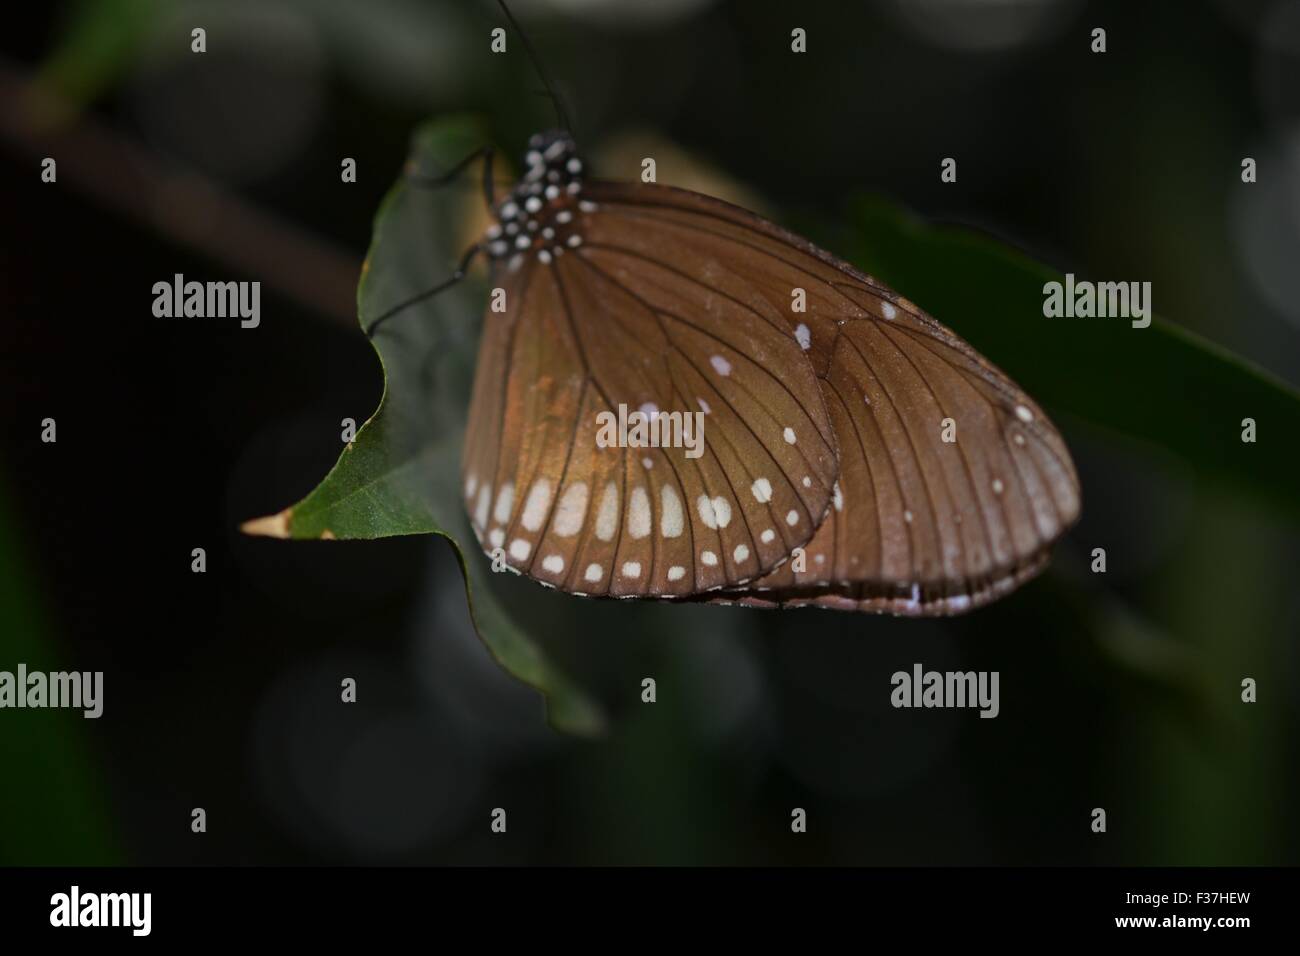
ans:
(505, 503)
(720, 365)
(676, 572)
(607, 519)
(520, 549)
(741, 553)
(762, 489)
(631, 569)
(638, 513)
(705, 507)
(722, 510)
(671, 521)
(594, 573)
(539, 501)
(571, 510)
(804, 335)
(788, 435)
(553, 563)
(709, 558)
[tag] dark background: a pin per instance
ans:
(222, 688)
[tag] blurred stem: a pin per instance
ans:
(181, 205)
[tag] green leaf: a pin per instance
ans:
(402, 473)
(1162, 384)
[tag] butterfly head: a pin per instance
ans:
(541, 216)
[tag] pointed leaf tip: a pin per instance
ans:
(270, 526)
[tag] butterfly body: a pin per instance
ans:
(843, 427)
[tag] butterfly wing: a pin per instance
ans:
(635, 321)
(953, 484)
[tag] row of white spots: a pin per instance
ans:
(715, 512)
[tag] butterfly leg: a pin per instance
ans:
(429, 293)
(486, 153)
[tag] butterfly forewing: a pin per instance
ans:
(606, 326)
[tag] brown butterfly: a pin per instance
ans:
(851, 451)
(900, 469)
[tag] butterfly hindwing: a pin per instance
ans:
(953, 484)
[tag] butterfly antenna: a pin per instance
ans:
(455, 277)
(561, 114)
